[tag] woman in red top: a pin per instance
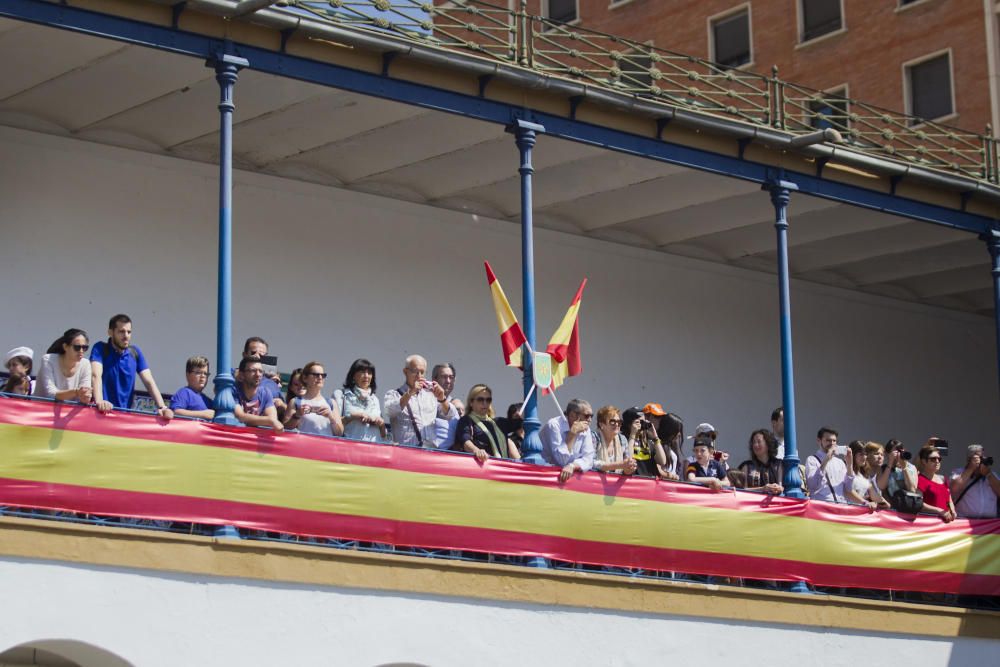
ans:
(937, 496)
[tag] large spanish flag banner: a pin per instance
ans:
(66, 457)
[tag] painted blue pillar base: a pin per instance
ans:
(537, 562)
(800, 587)
(224, 404)
(227, 532)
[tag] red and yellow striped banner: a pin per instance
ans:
(65, 457)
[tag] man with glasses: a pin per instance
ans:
(191, 400)
(115, 363)
(413, 408)
(976, 487)
(444, 428)
(568, 442)
(253, 404)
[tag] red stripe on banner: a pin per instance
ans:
(510, 340)
(433, 536)
(78, 418)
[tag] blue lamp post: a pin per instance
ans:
(226, 68)
(525, 135)
(781, 193)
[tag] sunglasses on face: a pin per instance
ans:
(483, 399)
(934, 458)
(615, 422)
(317, 375)
(81, 348)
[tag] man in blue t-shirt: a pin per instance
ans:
(191, 400)
(115, 363)
(254, 405)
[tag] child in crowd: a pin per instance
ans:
(191, 401)
(705, 469)
(19, 362)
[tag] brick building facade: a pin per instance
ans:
(933, 58)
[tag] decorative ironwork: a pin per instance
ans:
(519, 38)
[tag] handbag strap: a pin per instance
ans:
(828, 482)
(966, 489)
(416, 429)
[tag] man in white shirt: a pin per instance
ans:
(413, 408)
(568, 441)
(825, 471)
(976, 487)
(778, 428)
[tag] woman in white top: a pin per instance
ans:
(858, 486)
(313, 412)
(65, 370)
(359, 404)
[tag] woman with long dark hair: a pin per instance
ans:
(65, 370)
(763, 471)
(358, 404)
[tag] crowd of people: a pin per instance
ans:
(644, 441)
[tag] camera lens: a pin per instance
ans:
(906, 456)
(988, 461)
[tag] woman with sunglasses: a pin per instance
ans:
(65, 371)
(937, 496)
(613, 453)
(311, 411)
(477, 433)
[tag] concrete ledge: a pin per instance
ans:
(292, 563)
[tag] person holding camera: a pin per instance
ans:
(976, 487)
(413, 408)
(898, 476)
(826, 469)
(647, 450)
(937, 496)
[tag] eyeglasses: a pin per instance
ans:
(81, 348)
(483, 399)
(316, 375)
(615, 422)
(586, 415)
(934, 458)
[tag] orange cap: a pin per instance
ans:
(654, 409)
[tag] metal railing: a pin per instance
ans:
(520, 38)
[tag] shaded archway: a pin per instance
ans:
(61, 653)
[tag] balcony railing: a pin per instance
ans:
(519, 38)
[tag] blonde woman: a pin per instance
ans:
(613, 451)
(477, 433)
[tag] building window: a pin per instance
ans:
(731, 38)
(820, 17)
(928, 87)
(561, 10)
(831, 111)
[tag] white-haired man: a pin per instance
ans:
(413, 408)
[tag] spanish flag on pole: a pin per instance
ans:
(511, 336)
(564, 346)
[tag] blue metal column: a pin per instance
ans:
(993, 245)
(781, 193)
(525, 137)
(226, 68)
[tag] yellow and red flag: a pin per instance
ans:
(564, 346)
(511, 336)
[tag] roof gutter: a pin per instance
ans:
(248, 10)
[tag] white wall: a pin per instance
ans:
(332, 274)
(152, 619)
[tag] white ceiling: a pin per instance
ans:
(107, 92)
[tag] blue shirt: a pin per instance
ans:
(189, 399)
(256, 405)
(120, 369)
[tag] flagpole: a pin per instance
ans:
(525, 137)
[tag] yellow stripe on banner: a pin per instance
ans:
(216, 473)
